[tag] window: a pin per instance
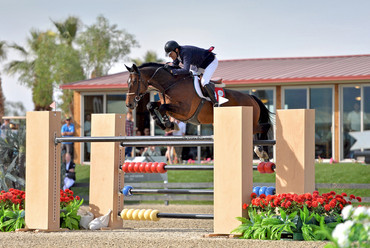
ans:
(320, 99)
(295, 98)
(351, 107)
(93, 104)
(116, 104)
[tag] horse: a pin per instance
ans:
(179, 100)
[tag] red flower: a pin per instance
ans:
(359, 199)
(333, 203)
(327, 207)
(245, 205)
(352, 197)
(315, 204)
(308, 196)
(309, 203)
(288, 204)
(262, 196)
(332, 193)
(253, 195)
(344, 194)
(341, 206)
(78, 198)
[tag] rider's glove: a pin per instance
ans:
(167, 67)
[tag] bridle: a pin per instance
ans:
(138, 95)
(139, 80)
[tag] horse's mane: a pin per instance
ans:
(154, 64)
(150, 64)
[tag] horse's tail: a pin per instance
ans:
(265, 120)
(265, 114)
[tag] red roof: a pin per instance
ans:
(265, 70)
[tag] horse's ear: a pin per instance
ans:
(134, 67)
(128, 68)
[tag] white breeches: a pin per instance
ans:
(208, 72)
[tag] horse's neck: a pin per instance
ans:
(161, 83)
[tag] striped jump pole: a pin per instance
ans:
(129, 190)
(155, 167)
(155, 215)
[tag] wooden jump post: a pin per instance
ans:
(233, 172)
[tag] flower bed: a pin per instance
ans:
(12, 209)
(307, 216)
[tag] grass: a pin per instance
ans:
(325, 173)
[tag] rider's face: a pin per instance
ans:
(173, 55)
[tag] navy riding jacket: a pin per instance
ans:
(191, 55)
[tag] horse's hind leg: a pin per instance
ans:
(262, 151)
(152, 106)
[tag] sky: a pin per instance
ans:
(238, 29)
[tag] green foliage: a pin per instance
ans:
(14, 108)
(50, 58)
(268, 226)
(265, 225)
(150, 56)
(11, 220)
(68, 216)
(12, 159)
(308, 229)
(102, 45)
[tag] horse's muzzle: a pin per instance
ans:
(131, 105)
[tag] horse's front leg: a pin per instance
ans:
(152, 106)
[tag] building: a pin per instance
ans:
(337, 87)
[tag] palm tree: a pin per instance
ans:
(2, 98)
(68, 64)
(35, 71)
(68, 29)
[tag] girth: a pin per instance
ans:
(194, 118)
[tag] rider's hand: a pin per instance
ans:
(167, 67)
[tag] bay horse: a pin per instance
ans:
(179, 99)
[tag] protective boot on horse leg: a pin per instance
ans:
(152, 106)
(262, 151)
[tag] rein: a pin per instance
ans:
(162, 90)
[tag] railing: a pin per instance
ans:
(208, 186)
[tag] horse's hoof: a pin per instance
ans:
(169, 125)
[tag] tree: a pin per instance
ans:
(37, 69)
(102, 45)
(14, 109)
(150, 56)
(2, 98)
(68, 64)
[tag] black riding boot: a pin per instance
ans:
(211, 93)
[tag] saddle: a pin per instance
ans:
(217, 84)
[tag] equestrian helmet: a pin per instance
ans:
(171, 46)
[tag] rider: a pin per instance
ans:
(199, 57)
